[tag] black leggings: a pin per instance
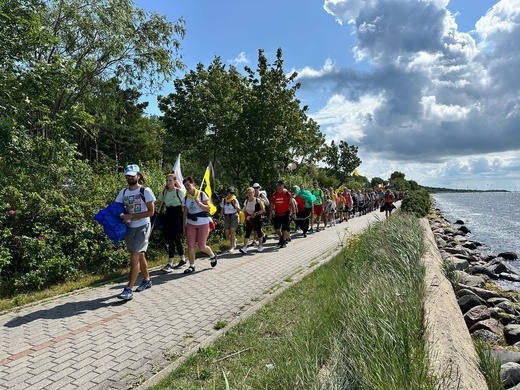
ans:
(172, 230)
(256, 225)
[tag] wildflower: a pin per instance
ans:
(40, 238)
(122, 250)
(8, 205)
(11, 212)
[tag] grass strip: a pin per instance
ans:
(354, 323)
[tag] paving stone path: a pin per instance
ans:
(92, 340)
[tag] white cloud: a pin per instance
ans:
(342, 119)
(436, 100)
(241, 59)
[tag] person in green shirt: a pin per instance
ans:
(172, 198)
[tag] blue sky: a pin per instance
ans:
(429, 88)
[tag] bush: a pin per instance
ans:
(47, 231)
(417, 203)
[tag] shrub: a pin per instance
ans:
(417, 203)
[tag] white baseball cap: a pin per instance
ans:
(132, 170)
(256, 185)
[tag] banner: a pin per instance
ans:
(177, 170)
(209, 179)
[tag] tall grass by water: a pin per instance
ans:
(354, 323)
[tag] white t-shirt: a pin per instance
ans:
(135, 204)
(194, 208)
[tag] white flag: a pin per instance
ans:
(177, 170)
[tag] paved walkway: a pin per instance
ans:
(90, 339)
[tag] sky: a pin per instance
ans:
(429, 88)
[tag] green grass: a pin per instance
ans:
(354, 323)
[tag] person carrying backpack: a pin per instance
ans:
(139, 205)
(281, 212)
(304, 199)
(172, 197)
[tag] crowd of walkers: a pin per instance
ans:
(187, 213)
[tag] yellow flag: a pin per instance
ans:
(209, 179)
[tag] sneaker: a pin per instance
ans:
(280, 241)
(260, 248)
(255, 243)
(311, 230)
(190, 269)
(144, 285)
(284, 245)
(167, 268)
(213, 260)
(180, 264)
(127, 294)
(243, 250)
(317, 229)
(304, 235)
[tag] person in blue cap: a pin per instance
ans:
(139, 204)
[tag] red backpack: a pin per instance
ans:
(300, 202)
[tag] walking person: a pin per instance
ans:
(172, 197)
(139, 205)
(262, 195)
(318, 206)
(388, 206)
(303, 214)
(196, 223)
(230, 209)
(281, 212)
(327, 208)
(254, 210)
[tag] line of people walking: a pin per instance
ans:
(187, 213)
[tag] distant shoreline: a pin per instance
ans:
(436, 190)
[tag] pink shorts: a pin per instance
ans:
(197, 234)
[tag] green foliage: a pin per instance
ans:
(226, 117)
(490, 366)
(417, 203)
(342, 159)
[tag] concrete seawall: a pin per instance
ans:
(451, 350)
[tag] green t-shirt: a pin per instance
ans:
(318, 193)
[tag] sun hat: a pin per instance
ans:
(132, 170)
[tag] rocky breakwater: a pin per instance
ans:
(491, 313)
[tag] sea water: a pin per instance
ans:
(492, 217)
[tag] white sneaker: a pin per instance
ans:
(260, 248)
(255, 243)
(243, 250)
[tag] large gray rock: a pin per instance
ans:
(507, 306)
(508, 255)
(470, 280)
(490, 324)
(468, 302)
(476, 314)
(506, 356)
(510, 374)
(512, 333)
(485, 335)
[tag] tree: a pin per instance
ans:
(397, 175)
(341, 160)
(241, 123)
(83, 43)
